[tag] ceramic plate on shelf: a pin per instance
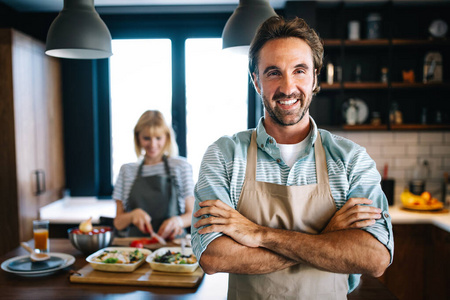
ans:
(361, 106)
(14, 264)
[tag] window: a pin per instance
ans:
(216, 95)
(140, 79)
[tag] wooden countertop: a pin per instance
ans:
(57, 286)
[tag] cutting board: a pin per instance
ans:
(125, 242)
(142, 276)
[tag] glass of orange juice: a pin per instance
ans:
(40, 231)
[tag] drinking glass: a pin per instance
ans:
(40, 231)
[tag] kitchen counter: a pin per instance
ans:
(58, 286)
(400, 215)
(74, 210)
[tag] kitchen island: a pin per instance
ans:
(58, 286)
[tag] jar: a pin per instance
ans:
(373, 26)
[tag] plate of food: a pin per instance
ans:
(172, 259)
(118, 259)
(423, 202)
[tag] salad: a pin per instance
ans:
(120, 256)
(175, 258)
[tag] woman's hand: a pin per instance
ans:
(170, 228)
(141, 220)
(354, 215)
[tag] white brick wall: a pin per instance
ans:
(402, 150)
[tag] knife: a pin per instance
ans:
(160, 239)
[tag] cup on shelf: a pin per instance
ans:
(353, 30)
(40, 232)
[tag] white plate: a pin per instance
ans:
(363, 110)
(184, 268)
(116, 267)
(68, 260)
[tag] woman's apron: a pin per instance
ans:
(154, 194)
(306, 209)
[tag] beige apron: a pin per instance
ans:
(305, 208)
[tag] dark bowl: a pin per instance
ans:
(99, 238)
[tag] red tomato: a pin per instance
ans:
(147, 241)
(137, 244)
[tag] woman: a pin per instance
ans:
(155, 194)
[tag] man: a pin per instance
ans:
(285, 208)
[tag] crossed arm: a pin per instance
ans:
(249, 248)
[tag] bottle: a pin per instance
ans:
(394, 108)
(358, 73)
(330, 73)
(420, 174)
(351, 114)
(384, 75)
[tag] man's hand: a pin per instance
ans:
(229, 221)
(354, 215)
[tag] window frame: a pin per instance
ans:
(178, 28)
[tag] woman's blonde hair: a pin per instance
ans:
(152, 121)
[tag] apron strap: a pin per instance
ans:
(166, 166)
(250, 172)
(321, 161)
(139, 172)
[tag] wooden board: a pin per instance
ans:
(125, 242)
(142, 276)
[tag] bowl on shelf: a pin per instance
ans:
(99, 238)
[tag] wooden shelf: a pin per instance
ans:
(326, 86)
(378, 42)
(416, 42)
(332, 42)
(386, 42)
(420, 126)
(379, 85)
(420, 85)
(365, 127)
(365, 85)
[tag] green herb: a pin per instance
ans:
(111, 260)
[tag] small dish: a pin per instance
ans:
(176, 268)
(68, 261)
(116, 267)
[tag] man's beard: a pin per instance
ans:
(278, 115)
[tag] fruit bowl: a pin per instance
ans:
(423, 202)
(98, 238)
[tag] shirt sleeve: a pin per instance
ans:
(213, 183)
(119, 187)
(364, 180)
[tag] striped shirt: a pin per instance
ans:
(180, 169)
(351, 171)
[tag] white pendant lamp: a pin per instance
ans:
(242, 25)
(78, 32)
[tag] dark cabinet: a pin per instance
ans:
(421, 265)
(387, 71)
